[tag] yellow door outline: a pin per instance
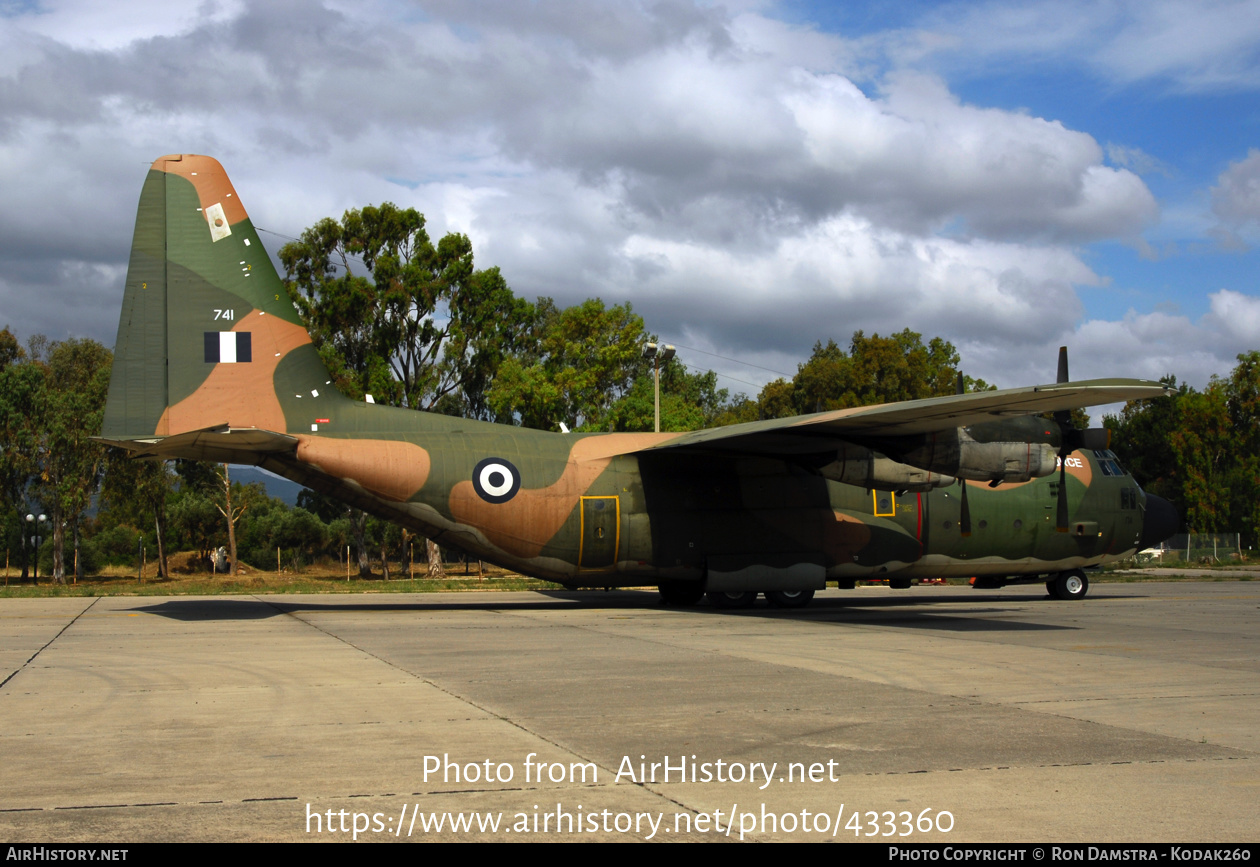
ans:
(616, 534)
(892, 504)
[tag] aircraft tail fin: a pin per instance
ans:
(208, 337)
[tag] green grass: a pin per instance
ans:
(317, 581)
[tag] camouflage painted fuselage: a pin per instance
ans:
(586, 514)
(213, 363)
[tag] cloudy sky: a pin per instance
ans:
(753, 177)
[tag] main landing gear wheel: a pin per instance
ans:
(789, 598)
(1068, 585)
(732, 600)
(681, 593)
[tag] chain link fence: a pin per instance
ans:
(1221, 548)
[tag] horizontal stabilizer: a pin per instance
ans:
(220, 444)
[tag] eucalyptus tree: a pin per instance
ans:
(70, 464)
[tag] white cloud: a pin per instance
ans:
(1153, 344)
(1196, 44)
(726, 174)
(1237, 318)
(1137, 160)
(1190, 44)
(109, 26)
(918, 158)
(1237, 195)
(1236, 202)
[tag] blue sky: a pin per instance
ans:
(752, 177)
(1190, 131)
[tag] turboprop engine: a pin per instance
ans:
(858, 465)
(963, 456)
(1009, 450)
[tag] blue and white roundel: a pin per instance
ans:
(495, 480)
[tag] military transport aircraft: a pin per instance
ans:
(212, 363)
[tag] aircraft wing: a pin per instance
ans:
(810, 433)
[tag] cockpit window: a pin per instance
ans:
(1108, 464)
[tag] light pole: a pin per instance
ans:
(38, 526)
(658, 354)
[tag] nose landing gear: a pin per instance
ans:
(1071, 584)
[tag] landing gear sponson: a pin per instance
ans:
(1069, 585)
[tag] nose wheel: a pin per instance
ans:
(1068, 585)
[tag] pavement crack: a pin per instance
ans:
(75, 619)
(466, 700)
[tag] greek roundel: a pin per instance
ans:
(496, 480)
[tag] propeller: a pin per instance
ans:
(1072, 439)
(964, 514)
(1064, 419)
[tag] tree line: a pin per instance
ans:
(417, 325)
(1200, 449)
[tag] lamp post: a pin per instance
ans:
(38, 526)
(658, 354)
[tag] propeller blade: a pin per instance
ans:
(1072, 439)
(964, 517)
(1063, 416)
(958, 387)
(1061, 523)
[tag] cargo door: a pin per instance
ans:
(601, 524)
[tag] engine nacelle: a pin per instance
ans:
(958, 453)
(858, 465)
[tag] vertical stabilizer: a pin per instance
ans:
(208, 335)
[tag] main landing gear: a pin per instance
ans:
(1071, 584)
(742, 599)
(789, 598)
(681, 594)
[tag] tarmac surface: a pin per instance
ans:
(1131, 716)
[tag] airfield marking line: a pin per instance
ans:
(1134, 698)
(469, 701)
(23, 666)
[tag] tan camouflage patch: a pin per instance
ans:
(241, 394)
(390, 469)
(525, 524)
(844, 537)
(210, 181)
(1083, 474)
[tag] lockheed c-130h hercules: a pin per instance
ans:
(213, 363)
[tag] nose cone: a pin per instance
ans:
(1161, 522)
